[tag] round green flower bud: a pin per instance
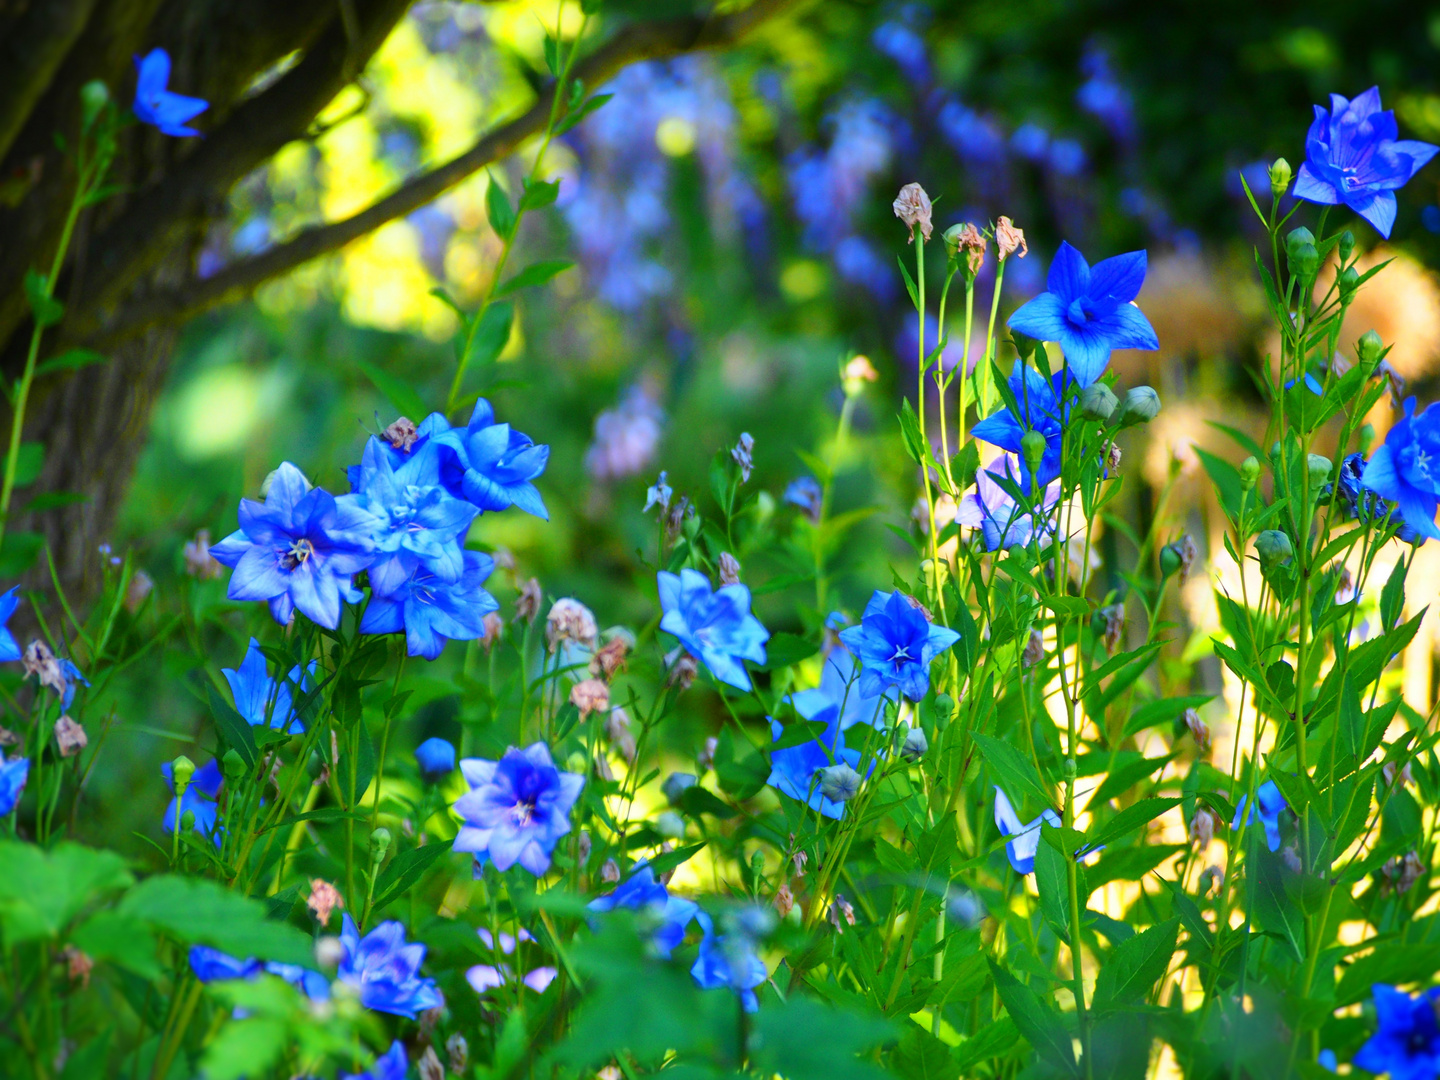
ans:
(1170, 560)
(1280, 177)
(1032, 448)
(1141, 405)
(1346, 246)
(181, 770)
(1098, 402)
(232, 765)
(1349, 282)
(1369, 349)
(187, 820)
(1249, 472)
(915, 745)
(379, 843)
(1070, 768)
(94, 96)
(1366, 437)
(1273, 549)
(1298, 237)
(1318, 466)
(1303, 259)
(1024, 344)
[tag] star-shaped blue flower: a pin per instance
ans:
(1088, 310)
(156, 105)
(1040, 410)
(896, 643)
(1407, 1042)
(668, 915)
(714, 627)
(430, 611)
(517, 808)
(1004, 523)
(384, 969)
(492, 465)
(1269, 804)
(257, 695)
(1352, 156)
(1406, 468)
(728, 960)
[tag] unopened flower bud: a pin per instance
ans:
(1098, 402)
(1348, 281)
(670, 824)
(1273, 549)
(1318, 467)
(1178, 557)
(181, 770)
(1024, 344)
(1366, 437)
(1301, 254)
(912, 206)
(1369, 349)
(1249, 472)
(729, 568)
(675, 786)
(1141, 405)
(1198, 730)
(944, 708)
(458, 1051)
(94, 96)
(839, 783)
(1346, 245)
(1032, 448)
(379, 844)
(232, 765)
(915, 745)
(1280, 177)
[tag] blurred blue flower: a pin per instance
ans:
(896, 642)
(210, 965)
(430, 611)
(1002, 521)
(730, 961)
(1067, 157)
(13, 774)
(298, 549)
(902, 44)
(839, 687)
(417, 522)
(1269, 804)
(517, 808)
(1030, 141)
(1039, 398)
(436, 758)
(1363, 504)
(1103, 96)
(9, 648)
(1406, 468)
(492, 465)
(256, 694)
(668, 916)
(199, 798)
(483, 977)
(1352, 156)
(384, 970)
(312, 984)
(156, 105)
(805, 492)
(976, 139)
(1430, 218)
(391, 1065)
(1327, 1060)
(1406, 1043)
(1088, 311)
(714, 627)
(1024, 839)
(794, 770)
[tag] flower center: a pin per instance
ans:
(1080, 311)
(300, 550)
(522, 813)
(901, 655)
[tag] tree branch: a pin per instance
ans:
(639, 42)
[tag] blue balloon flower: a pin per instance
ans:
(1365, 505)
(1269, 804)
(794, 769)
(9, 647)
(257, 695)
(298, 549)
(668, 915)
(13, 774)
(714, 627)
(1352, 156)
(199, 798)
(1406, 469)
(211, 965)
(839, 688)
(417, 522)
(491, 465)
(312, 984)
(384, 969)
(156, 105)
(1088, 311)
(1039, 400)
(1024, 839)
(436, 758)
(896, 643)
(1004, 523)
(431, 612)
(390, 1065)
(728, 961)
(1407, 1042)
(517, 808)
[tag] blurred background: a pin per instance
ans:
(730, 217)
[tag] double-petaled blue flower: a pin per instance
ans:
(490, 464)
(714, 627)
(730, 961)
(517, 808)
(199, 798)
(1406, 469)
(667, 916)
(259, 699)
(1004, 523)
(384, 970)
(1352, 156)
(1088, 311)
(796, 770)
(157, 106)
(391, 1065)
(896, 642)
(1040, 410)
(9, 647)
(436, 758)
(840, 689)
(1407, 1042)
(1024, 837)
(13, 774)
(298, 549)
(430, 611)
(1269, 804)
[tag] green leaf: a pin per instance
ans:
(539, 193)
(234, 728)
(1163, 711)
(537, 273)
(1392, 962)
(1127, 775)
(1039, 1023)
(1053, 883)
(804, 1039)
(909, 283)
(585, 110)
(88, 1060)
(798, 734)
(69, 360)
(921, 1056)
(987, 1044)
(491, 335)
(19, 551)
(125, 942)
(52, 500)
(1130, 819)
(401, 394)
(196, 911)
(28, 462)
(498, 209)
(1015, 771)
(784, 649)
(405, 870)
(1134, 966)
(669, 860)
(47, 310)
(42, 891)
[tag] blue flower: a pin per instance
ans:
(1024, 836)
(1039, 398)
(794, 769)
(211, 965)
(1406, 469)
(1003, 523)
(1268, 805)
(485, 977)
(896, 642)
(13, 774)
(1352, 156)
(298, 549)
(669, 915)
(517, 808)
(1088, 311)
(1407, 1042)
(312, 984)
(159, 107)
(256, 694)
(1327, 1060)
(714, 627)
(728, 960)
(199, 798)
(384, 970)
(1365, 505)
(838, 687)
(9, 648)
(491, 465)
(436, 758)
(417, 522)
(390, 1065)
(430, 611)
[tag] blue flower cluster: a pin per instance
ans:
(413, 497)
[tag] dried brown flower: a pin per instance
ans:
(401, 434)
(1009, 239)
(912, 206)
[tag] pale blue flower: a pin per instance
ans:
(1024, 839)
(667, 916)
(715, 627)
(896, 643)
(13, 774)
(730, 961)
(1269, 804)
(517, 808)
(384, 970)
(9, 648)
(492, 465)
(431, 612)
(391, 1065)
(1406, 468)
